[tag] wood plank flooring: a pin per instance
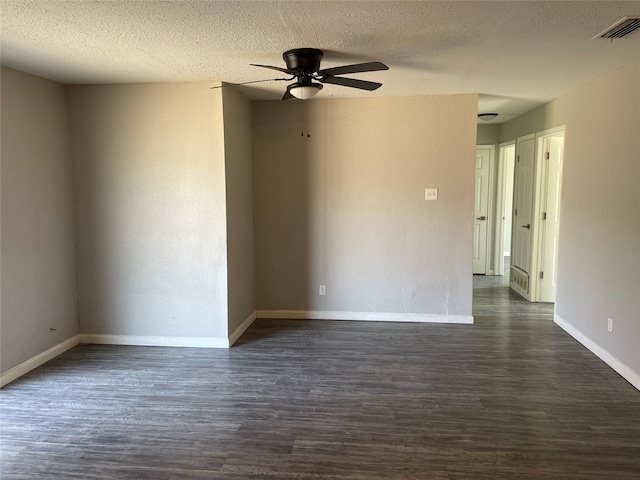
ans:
(511, 397)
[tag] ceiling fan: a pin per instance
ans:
(303, 64)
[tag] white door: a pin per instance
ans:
(552, 176)
(507, 214)
(481, 210)
(523, 207)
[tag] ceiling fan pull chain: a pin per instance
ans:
(304, 109)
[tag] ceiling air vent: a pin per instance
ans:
(621, 28)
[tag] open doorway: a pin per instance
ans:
(536, 214)
(521, 230)
(504, 207)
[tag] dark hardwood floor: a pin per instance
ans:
(511, 397)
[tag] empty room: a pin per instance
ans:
(320, 239)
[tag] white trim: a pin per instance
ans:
(499, 253)
(156, 341)
(365, 316)
(549, 132)
(35, 362)
(625, 372)
(242, 328)
(540, 201)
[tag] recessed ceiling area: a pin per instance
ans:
(516, 54)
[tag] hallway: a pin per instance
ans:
(493, 298)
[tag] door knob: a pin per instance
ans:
(481, 218)
(527, 226)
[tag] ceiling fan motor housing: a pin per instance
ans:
(305, 60)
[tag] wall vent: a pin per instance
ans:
(621, 28)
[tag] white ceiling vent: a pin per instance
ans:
(621, 28)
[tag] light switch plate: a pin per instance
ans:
(430, 193)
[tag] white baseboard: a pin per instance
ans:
(166, 341)
(241, 329)
(155, 341)
(220, 342)
(34, 362)
(365, 316)
(625, 372)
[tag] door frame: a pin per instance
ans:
(488, 270)
(540, 187)
(498, 254)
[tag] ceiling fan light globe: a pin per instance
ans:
(487, 117)
(304, 92)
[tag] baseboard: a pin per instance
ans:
(365, 316)
(155, 341)
(233, 338)
(625, 372)
(219, 342)
(165, 341)
(35, 362)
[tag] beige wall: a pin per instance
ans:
(599, 253)
(150, 200)
(530, 122)
(239, 189)
(345, 207)
(38, 258)
(488, 134)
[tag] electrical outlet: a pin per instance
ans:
(322, 290)
(610, 325)
(430, 193)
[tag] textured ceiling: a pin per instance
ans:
(515, 54)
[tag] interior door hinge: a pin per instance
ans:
(544, 215)
(546, 156)
(518, 160)
(516, 214)
(541, 275)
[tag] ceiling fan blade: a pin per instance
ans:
(253, 81)
(357, 68)
(284, 70)
(351, 82)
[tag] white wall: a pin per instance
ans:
(345, 207)
(599, 253)
(38, 257)
(239, 189)
(150, 199)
